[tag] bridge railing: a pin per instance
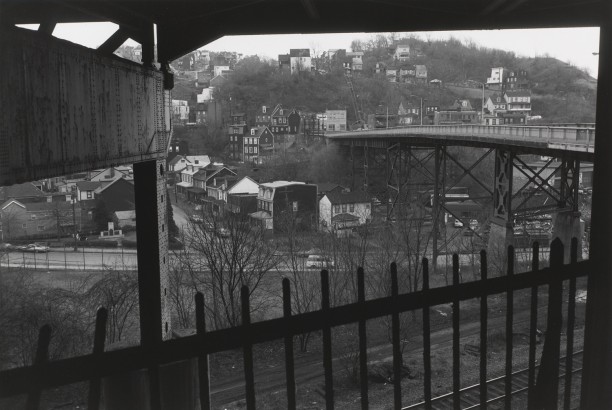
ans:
(579, 138)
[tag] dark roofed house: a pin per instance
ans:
(25, 192)
(342, 211)
(117, 196)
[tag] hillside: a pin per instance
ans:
(560, 92)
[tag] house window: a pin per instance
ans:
(252, 131)
(295, 206)
(24, 226)
(88, 194)
(255, 150)
(352, 207)
(343, 208)
(336, 209)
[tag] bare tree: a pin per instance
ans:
(305, 286)
(117, 291)
(181, 269)
(232, 252)
(25, 306)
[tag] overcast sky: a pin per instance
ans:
(574, 45)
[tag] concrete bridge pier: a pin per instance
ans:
(501, 232)
(568, 225)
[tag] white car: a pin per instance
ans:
(34, 247)
(318, 261)
(457, 223)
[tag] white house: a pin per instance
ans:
(402, 52)
(219, 69)
(335, 120)
(342, 211)
(299, 60)
(244, 186)
(497, 76)
(206, 95)
(85, 190)
(180, 109)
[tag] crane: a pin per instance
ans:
(360, 123)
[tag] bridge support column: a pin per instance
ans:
(567, 223)
(438, 201)
(501, 232)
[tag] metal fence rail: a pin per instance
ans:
(542, 392)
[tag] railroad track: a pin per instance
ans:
(470, 396)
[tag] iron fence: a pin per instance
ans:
(542, 388)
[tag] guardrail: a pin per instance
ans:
(573, 138)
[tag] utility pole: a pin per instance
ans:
(387, 115)
(74, 233)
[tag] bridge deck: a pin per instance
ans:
(579, 141)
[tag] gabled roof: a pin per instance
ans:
(202, 160)
(328, 186)
(103, 188)
(175, 160)
(299, 52)
(25, 190)
(344, 218)
(12, 201)
(88, 185)
(280, 184)
(354, 197)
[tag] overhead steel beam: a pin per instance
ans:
(114, 41)
(47, 27)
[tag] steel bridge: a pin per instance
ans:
(402, 163)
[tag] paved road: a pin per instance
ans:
(180, 217)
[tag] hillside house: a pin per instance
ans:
(219, 69)
(516, 80)
(204, 177)
(284, 62)
(518, 101)
(279, 123)
(342, 211)
(391, 74)
(264, 115)
(300, 60)
(496, 80)
(259, 139)
(180, 111)
(495, 103)
(236, 134)
(421, 73)
(335, 120)
(402, 52)
(283, 202)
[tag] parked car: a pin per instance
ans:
(318, 261)
(34, 247)
(457, 223)
(6, 247)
